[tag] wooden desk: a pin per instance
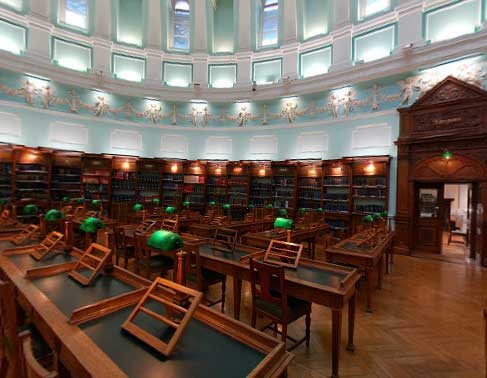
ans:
(208, 230)
(367, 260)
(321, 283)
(83, 325)
(308, 235)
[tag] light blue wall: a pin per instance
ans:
(35, 132)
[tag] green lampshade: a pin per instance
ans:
(186, 203)
(377, 215)
(165, 241)
(368, 218)
(138, 207)
(170, 210)
(66, 199)
(211, 203)
(226, 206)
(156, 200)
(283, 212)
(251, 206)
(284, 223)
(96, 202)
(447, 155)
(78, 200)
(270, 206)
(302, 210)
(319, 210)
(30, 209)
(54, 215)
(384, 214)
(92, 225)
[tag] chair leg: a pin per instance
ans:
(308, 326)
(283, 332)
(224, 289)
(126, 259)
(254, 318)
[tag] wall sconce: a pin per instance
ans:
(218, 171)
(237, 170)
(31, 157)
(337, 171)
(370, 168)
(312, 171)
(262, 171)
(174, 168)
(196, 169)
(125, 165)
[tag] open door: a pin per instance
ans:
(478, 244)
(428, 217)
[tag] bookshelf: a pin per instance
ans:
(6, 172)
(370, 186)
(217, 183)
(284, 183)
(31, 178)
(123, 191)
(337, 196)
(172, 182)
(65, 175)
(96, 174)
(194, 188)
(260, 183)
(310, 185)
(148, 180)
(238, 183)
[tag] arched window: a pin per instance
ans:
(368, 8)
(269, 23)
(180, 33)
(74, 13)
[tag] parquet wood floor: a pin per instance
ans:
(427, 323)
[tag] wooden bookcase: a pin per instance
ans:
(96, 176)
(337, 200)
(238, 183)
(65, 175)
(310, 185)
(149, 180)
(123, 191)
(6, 173)
(370, 186)
(284, 186)
(260, 183)
(31, 179)
(194, 189)
(172, 182)
(217, 182)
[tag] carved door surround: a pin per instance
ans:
(453, 116)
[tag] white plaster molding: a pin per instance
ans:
(126, 140)
(68, 133)
(173, 144)
(263, 145)
(361, 133)
(309, 142)
(10, 125)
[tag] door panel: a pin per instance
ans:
(428, 217)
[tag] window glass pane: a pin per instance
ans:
(74, 13)
(128, 68)
(269, 24)
(223, 76)
(181, 25)
(315, 62)
(130, 22)
(178, 75)
(267, 72)
(18, 5)
(315, 17)
(71, 55)
(223, 26)
(370, 7)
(374, 45)
(12, 38)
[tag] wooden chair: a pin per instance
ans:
(283, 253)
(276, 304)
(202, 278)
(122, 249)
(47, 245)
(31, 367)
(148, 262)
(170, 224)
(145, 226)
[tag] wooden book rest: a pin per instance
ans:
(225, 239)
(89, 261)
(166, 293)
(171, 225)
(145, 226)
(46, 245)
(25, 234)
(283, 253)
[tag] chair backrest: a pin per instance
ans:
(145, 226)
(119, 238)
(263, 274)
(225, 239)
(283, 253)
(193, 264)
(142, 250)
(32, 367)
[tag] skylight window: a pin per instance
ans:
(269, 23)
(74, 13)
(367, 8)
(180, 25)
